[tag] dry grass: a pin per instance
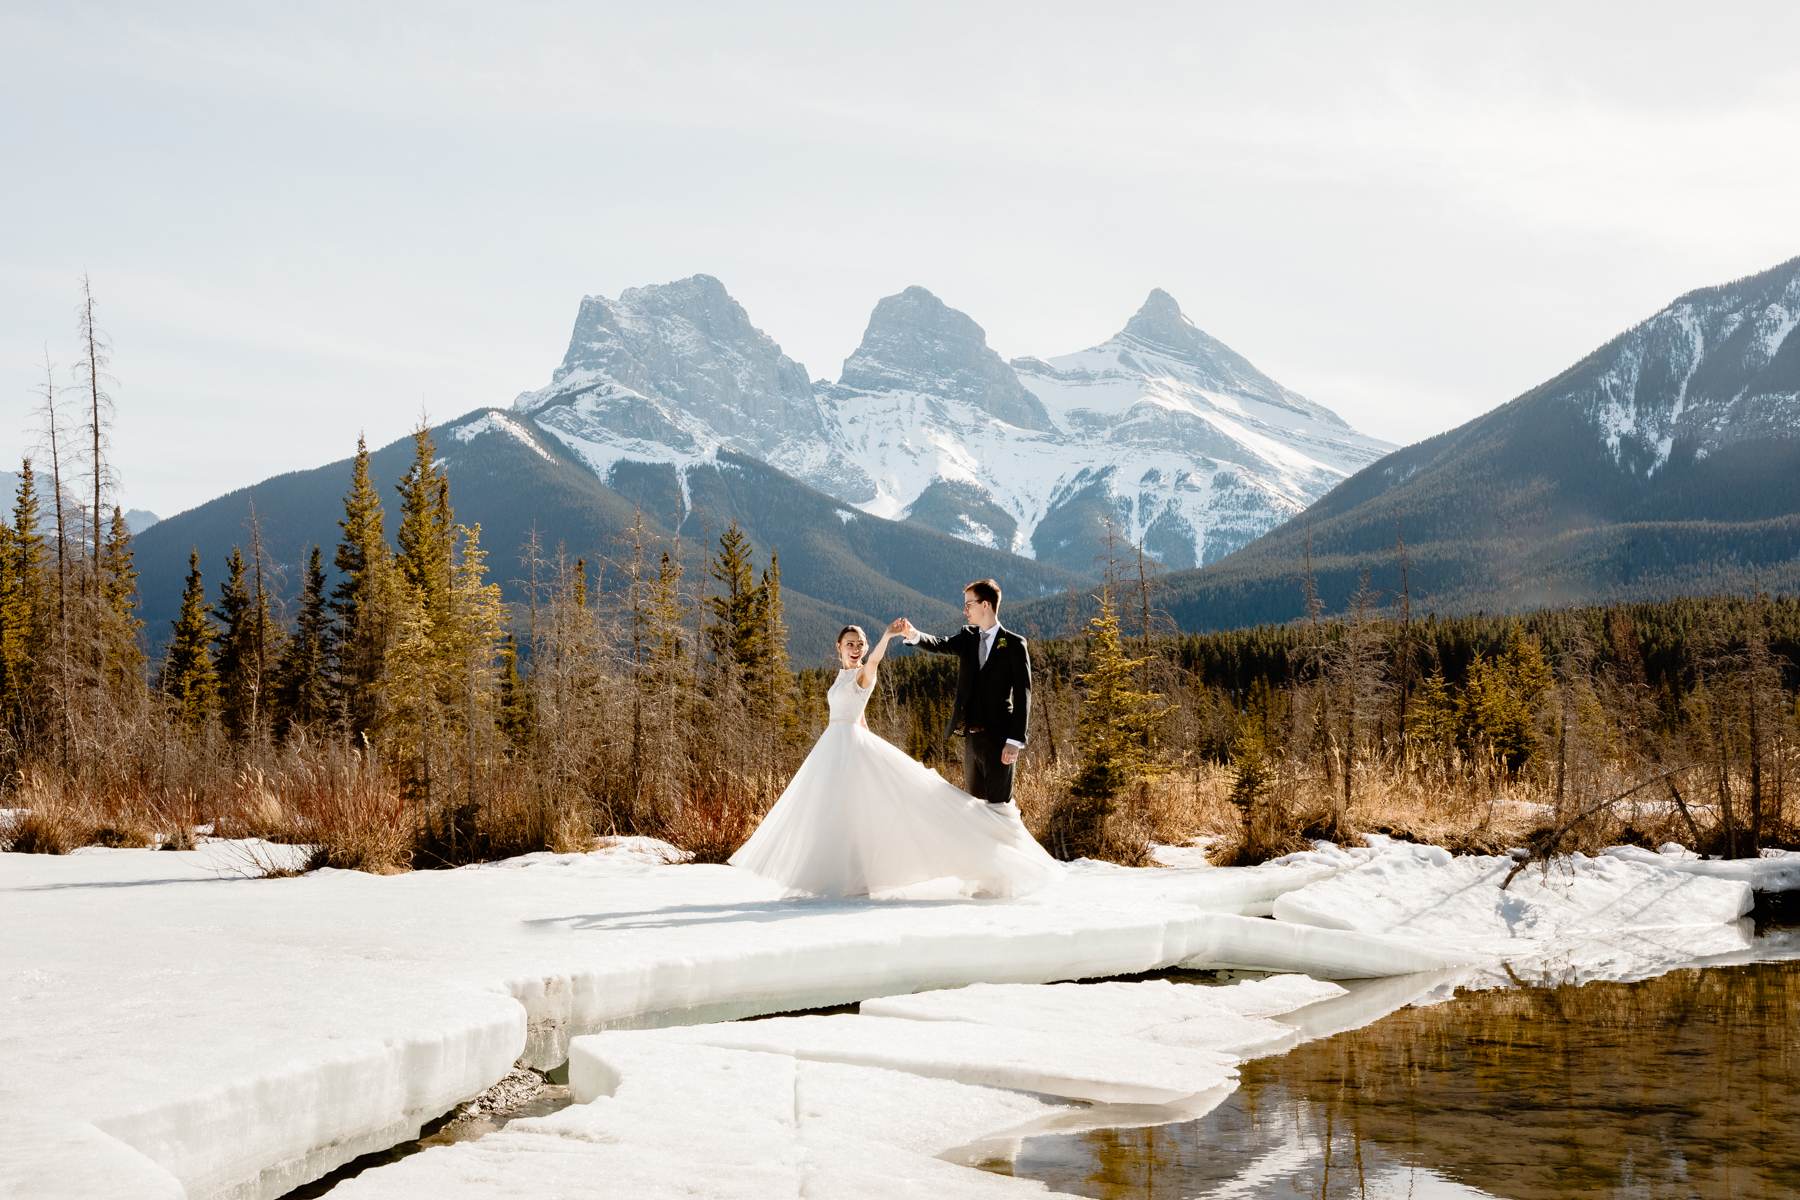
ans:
(352, 811)
(711, 828)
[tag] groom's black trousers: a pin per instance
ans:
(984, 776)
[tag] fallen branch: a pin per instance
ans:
(1546, 846)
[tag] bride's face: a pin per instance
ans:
(851, 649)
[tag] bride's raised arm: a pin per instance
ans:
(865, 675)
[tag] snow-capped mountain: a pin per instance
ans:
(1715, 367)
(1166, 431)
(1666, 462)
(675, 373)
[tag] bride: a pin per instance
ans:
(861, 817)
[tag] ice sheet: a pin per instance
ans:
(253, 1033)
(256, 1033)
(1155, 1011)
(1775, 871)
(686, 1120)
(1100, 1067)
(1423, 892)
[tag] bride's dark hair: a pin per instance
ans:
(850, 629)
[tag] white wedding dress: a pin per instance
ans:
(860, 817)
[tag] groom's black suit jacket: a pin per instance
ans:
(996, 698)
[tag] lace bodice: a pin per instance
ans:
(846, 699)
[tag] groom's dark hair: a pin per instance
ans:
(985, 590)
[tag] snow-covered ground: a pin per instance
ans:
(172, 1028)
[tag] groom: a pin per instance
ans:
(993, 691)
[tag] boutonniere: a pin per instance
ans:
(999, 643)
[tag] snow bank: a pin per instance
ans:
(1191, 855)
(1774, 872)
(1424, 892)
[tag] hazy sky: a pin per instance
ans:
(306, 220)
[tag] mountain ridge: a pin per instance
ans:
(1666, 461)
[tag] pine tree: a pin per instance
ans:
(515, 699)
(362, 603)
(1431, 722)
(123, 658)
(7, 605)
(303, 684)
(1118, 720)
(774, 683)
(1501, 702)
(235, 659)
(24, 611)
(479, 623)
(411, 683)
(1253, 774)
(736, 632)
(424, 540)
(1115, 736)
(188, 678)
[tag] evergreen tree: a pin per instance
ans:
(1501, 703)
(411, 682)
(188, 678)
(1114, 735)
(479, 624)
(515, 699)
(1117, 722)
(362, 603)
(736, 634)
(235, 661)
(1431, 720)
(303, 684)
(774, 683)
(424, 540)
(1253, 774)
(665, 628)
(123, 657)
(7, 605)
(24, 610)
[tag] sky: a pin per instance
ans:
(306, 222)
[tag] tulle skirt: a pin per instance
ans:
(860, 817)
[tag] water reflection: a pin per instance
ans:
(1679, 1086)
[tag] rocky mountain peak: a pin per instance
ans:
(680, 363)
(1161, 322)
(916, 342)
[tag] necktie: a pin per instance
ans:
(987, 640)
